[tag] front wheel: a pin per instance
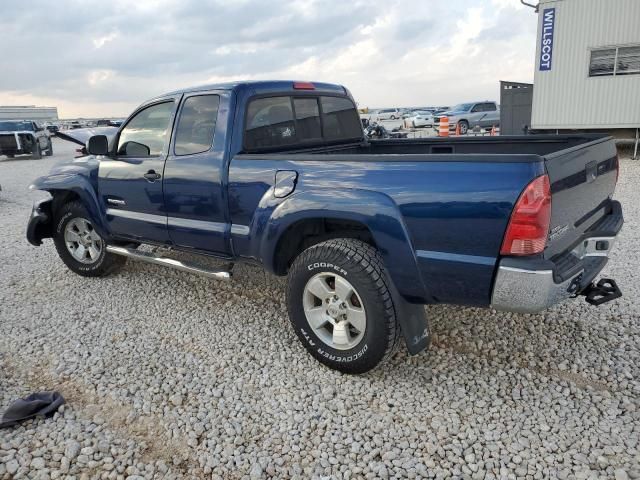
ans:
(80, 246)
(340, 305)
(50, 149)
(464, 127)
(37, 151)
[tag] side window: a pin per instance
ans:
(270, 123)
(307, 118)
(477, 108)
(490, 107)
(147, 133)
(197, 123)
(340, 119)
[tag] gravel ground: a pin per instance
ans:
(169, 375)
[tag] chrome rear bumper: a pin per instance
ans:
(523, 289)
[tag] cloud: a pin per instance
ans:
(100, 41)
(95, 58)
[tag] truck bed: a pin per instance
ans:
(455, 195)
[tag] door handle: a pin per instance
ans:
(152, 176)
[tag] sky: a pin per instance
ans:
(95, 58)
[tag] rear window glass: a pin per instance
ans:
(196, 125)
(340, 119)
(270, 123)
(307, 118)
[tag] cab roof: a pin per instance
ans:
(258, 87)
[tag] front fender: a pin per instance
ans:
(79, 185)
(374, 210)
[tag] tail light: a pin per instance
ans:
(529, 223)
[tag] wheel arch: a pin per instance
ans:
(369, 216)
(65, 188)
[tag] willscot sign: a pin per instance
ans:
(546, 38)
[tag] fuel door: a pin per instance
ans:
(285, 183)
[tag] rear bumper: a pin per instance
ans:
(527, 285)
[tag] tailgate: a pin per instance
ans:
(8, 142)
(582, 179)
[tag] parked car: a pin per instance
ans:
(280, 174)
(53, 129)
(421, 119)
(484, 114)
(24, 137)
(388, 114)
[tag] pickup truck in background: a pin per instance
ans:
(367, 231)
(484, 114)
(20, 137)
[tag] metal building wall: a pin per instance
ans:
(566, 97)
(29, 113)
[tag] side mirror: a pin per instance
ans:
(98, 145)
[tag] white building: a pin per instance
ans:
(29, 112)
(587, 72)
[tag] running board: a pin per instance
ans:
(169, 262)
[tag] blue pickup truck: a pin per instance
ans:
(368, 231)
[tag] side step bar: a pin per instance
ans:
(169, 262)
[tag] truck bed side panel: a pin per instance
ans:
(454, 212)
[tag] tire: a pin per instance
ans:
(50, 149)
(392, 117)
(356, 267)
(37, 153)
(413, 124)
(464, 127)
(73, 217)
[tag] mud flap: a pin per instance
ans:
(413, 322)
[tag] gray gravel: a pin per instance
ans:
(169, 375)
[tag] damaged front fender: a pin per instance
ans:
(40, 222)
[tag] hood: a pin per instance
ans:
(451, 113)
(82, 135)
(11, 132)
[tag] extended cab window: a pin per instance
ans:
(147, 132)
(197, 123)
(270, 123)
(340, 119)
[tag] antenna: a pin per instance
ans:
(535, 7)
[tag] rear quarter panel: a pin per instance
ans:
(439, 223)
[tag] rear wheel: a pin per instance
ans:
(340, 305)
(80, 246)
(37, 151)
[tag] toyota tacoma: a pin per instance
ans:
(367, 231)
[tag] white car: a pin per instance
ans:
(388, 114)
(421, 119)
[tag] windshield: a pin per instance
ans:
(13, 126)
(463, 107)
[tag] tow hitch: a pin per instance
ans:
(602, 292)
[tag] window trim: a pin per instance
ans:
(165, 149)
(304, 144)
(178, 116)
(615, 60)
